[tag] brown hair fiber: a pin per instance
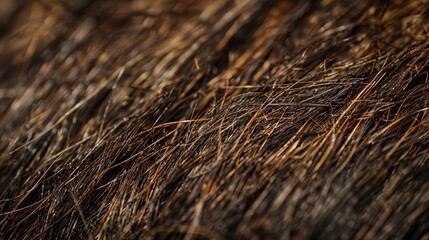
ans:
(214, 119)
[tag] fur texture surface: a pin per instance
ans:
(215, 119)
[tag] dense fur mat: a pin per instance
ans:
(219, 119)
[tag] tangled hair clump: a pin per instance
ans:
(214, 119)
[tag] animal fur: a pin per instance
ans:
(215, 119)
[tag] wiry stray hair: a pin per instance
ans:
(214, 119)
